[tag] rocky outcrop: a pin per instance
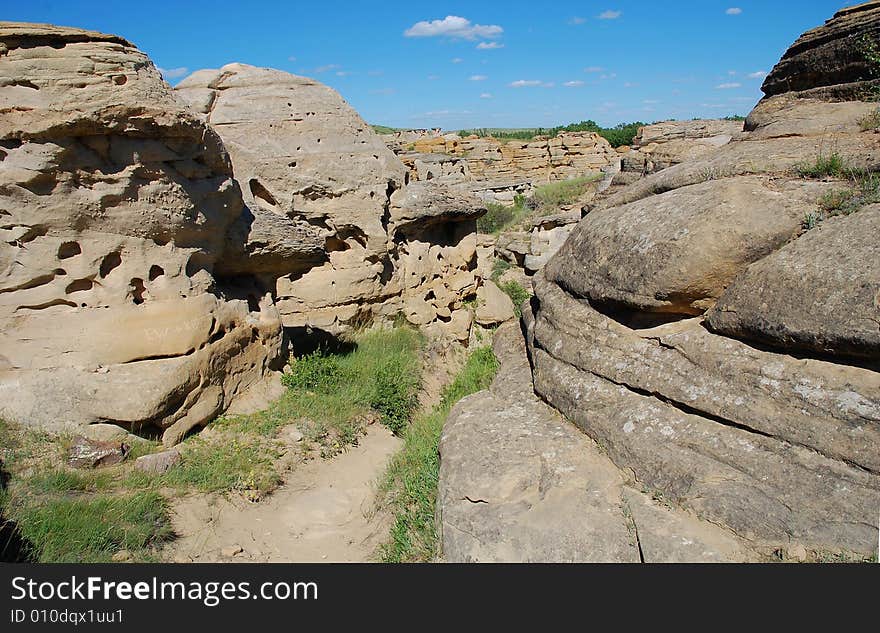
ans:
(715, 349)
(115, 204)
(832, 61)
(669, 143)
(774, 301)
(314, 172)
(497, 171)
(519, 483)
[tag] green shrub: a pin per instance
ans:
(870, 121)
(835, 200)
(811, 220)
(552, 196)
(497, 218)
(517, 294)
(317, 371)
(395, 396)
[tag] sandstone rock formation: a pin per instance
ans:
(720, 349)
(748, 423)
(668, 143)
(311, 168)
(115, 205)
(497, 171)
(519, 483)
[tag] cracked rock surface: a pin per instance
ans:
(519, 483)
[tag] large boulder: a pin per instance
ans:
(831, 60)
(763, 414)
(775, 300)
(518, 483)
(116, 203)
(314, 173)
(676, 252)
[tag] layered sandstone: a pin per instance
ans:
(713, 327)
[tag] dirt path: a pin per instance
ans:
(324, 512)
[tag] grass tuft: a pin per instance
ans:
(517, 294)
(91, 530)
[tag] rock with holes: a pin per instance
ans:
(308, 163)
(819, 294)
(116, 205)
(310, 166)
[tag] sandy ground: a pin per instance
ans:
(324, 512)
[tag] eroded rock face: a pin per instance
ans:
(498, 171)
(775, 301)
(314, 173)
(662, 145)
(830, 60)
(115, 203)
(716, 349)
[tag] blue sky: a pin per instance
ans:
(469, 64)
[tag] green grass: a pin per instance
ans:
(499, 217)
(329, 392)
(547, 200)
(410, 484)
(518, 295)
(499, 267)
(556, 194)
(825, 165)
(870, 121)
(92, 529)
(864, 190)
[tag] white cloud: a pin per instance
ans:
(734, 11)
(477, 78)
(326, 68)
(610, 15)
(576, 20)
(530, 83)
(573, 84)
(433, 77)
(486, 95)
(650, 102)
(343, 73)
(489, 46)
(375, 73)
(594, 69)
(455, 27)
(174, 73)
(732, 73)
(629, 84)
(760, 74)
(608, 76)
(291, 58)
(457, 60)
(728, 86)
